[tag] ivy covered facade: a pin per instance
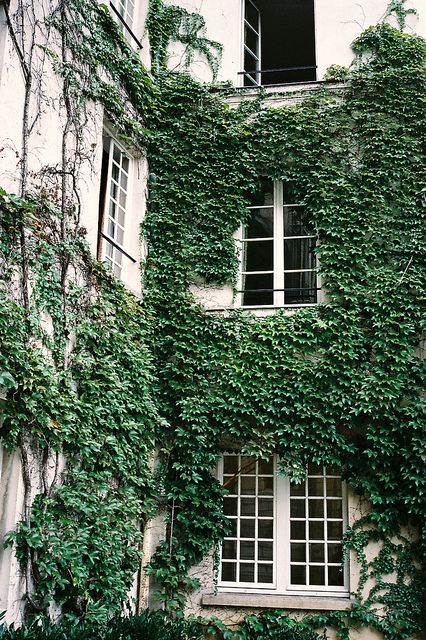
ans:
(246, 409)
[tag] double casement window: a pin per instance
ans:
(278, 42)
(285, 538)
(113, 205)
(278, 252)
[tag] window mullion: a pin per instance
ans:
(278, 245)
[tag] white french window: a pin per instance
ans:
(285, 538)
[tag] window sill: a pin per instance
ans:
(268, 601)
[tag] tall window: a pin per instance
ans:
(279, 41)
(113, 204)
(278, 252)
(284, 537)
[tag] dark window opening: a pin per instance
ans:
(102, 199)
(279, 42)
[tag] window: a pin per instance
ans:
(278, 252)
(113, 204)
(279, 42)
(284, 538)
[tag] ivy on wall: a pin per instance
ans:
(340, 383)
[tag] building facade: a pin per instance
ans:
(284, 546)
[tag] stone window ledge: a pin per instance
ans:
(268, 601)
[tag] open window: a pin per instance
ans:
(279, 42)
(114, 205)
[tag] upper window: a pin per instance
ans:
(279, 42)
(284, 537)
(113, 205)
(278, 252)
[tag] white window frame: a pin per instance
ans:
(109, 252)
(257, 76)
(278, 270)
(281, 584)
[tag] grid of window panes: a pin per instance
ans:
(251, 44)
(248, 551)
(126, 9)
(116, 206)
(258, 249)
(316, 530)
(300, 276)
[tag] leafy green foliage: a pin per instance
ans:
(150, 625)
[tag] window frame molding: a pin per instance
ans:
(278, 270)
(281, 586)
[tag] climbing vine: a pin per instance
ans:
(105, 376)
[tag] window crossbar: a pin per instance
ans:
(276, 70)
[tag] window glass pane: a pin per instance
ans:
(247, 465)
(265, 486)
(266, 467)
(120, 236)
(251, 40)
(115, 172)
(251, 14)
(298, 489)
(297, 530)
(264, 550)
(125, 163)
(230, 464)
(247, 572)
(248, 485)
(334, 487)
(117, 270)
(334, 508)
(265, 507)
(258, 255)
(299, 253)
(230, 506)
(298, 574)
(264, 196)
(251, 65)
(316, 575)
(297, 552)
(316, 508)
(260, 224)
(315, 470)
(296, 222)
(248, 506)
(335, 553)
(229, 571)
(265, 528)
(316, 530)
(264, 573)
(297, 508)
(233, 527)
(247, 528)
(335, 577)
(258, 289)
(247, 550)
(316, 553)
(300, 288)
(231, 484)
(123, 181)
(316, 486)
(334, 530)
(229, 549)
(116, 154)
